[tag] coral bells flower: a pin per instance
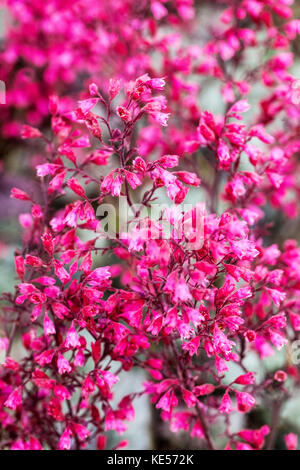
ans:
(250, 335)
(101, 442)
(81, 431)
(226, 405)
(245, 379)
(291, 441)
(20, 268)
(48, 242)
(72, 340)
(124, 114)
(245, 401)
(161, 118)
(109, 279)
(29, 132)
(167, 401)
(205, 389)
(280, 376)
(19, 194)
(65, 440)
(49, 327)
(15, 399)
(63, 364)
(256, 438)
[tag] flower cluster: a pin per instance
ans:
(186, 313)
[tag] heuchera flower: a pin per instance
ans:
(291, 441)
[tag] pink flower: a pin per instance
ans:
(72, 339)
(114, 88)
(81, 431)
(76, 187)
(93, 88)
(4, 344)
(48, 242)
(188, 178)
(245, 401)
(182, 291)
(189, 398)
(255, 437)
(63, 364)
(101, 442)
(280, 376)
(19, 194)
(205, 389)
(180, 420)
(161, 118)
(14, 399)
(239, 107)
(167, 401)
(226, 405)
(224, 155)
(112, 422)
(250, 335)
(124, 114)
(87, 105)
(100, 276)
(62, 392)
(276, 296)
(44, 357)
(245, 379)
(221, 343)
(49, 327)
(192, 346)
(108, 377)
(28, 132)
(197, 430)
(65, 440)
